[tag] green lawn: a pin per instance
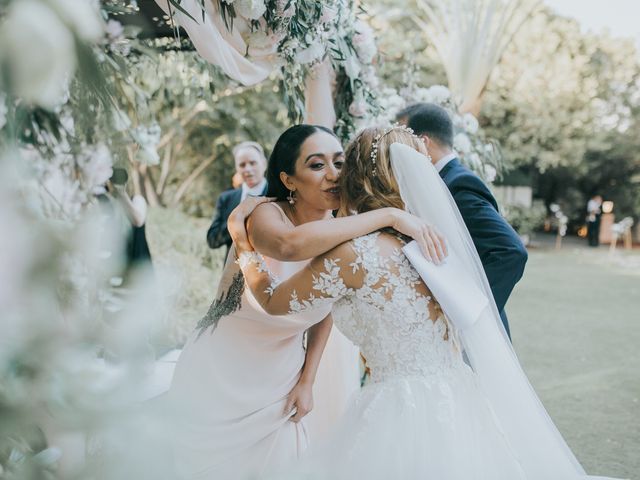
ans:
(575, 322)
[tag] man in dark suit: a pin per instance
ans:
(251, 165)
(500, 249)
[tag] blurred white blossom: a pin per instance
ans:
(358, 108)
(352, 67)
(83, 16)
(470, 123)
(284, 11)
(462, 143)
(148, 138)
(97, 167)
(490, 173)
(120, 120)
(39, 50)
(314, 52)
(364, 42)
(114, 30)
(439, 94)
(3, 110)
(250, 9)
(329, 13)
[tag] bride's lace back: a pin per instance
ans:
(399, 328)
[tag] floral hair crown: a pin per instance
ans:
(377, 138)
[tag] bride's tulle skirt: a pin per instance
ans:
(437, 427)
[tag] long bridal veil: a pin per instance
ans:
(530, 432)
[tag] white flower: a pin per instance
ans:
(61, 197)
(250, 9)
(81, 15)
(474, 160)
(114, 29)
(462, 143)
(283, 11)
(314, 52)
(329, 14)
(96, 166)
(291, 45)
(68, 123)
(3, 110)
(470, 123)
(490, 173)
(352, 67)
(364, 42)
(40, 52)
(120, 121)
(439, 94)
(261, 43)
(358, 108)
(370, 78)
(148, 139)
(422, 95)
(390, 102)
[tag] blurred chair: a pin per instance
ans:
(622, 229)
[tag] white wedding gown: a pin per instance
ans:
(424, 414)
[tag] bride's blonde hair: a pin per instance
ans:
(367, 181)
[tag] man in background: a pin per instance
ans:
(500, 249)
(251, 165)
(594, 213)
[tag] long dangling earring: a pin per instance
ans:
(291, 198)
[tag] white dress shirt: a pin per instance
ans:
(440, 164)
(255, 191)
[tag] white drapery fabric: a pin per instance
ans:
(230, 51)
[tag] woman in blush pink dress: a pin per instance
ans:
(244, 380)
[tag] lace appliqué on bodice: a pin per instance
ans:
(329, 283)
(390, 320)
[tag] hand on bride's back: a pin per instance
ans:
(432, 243)
(237, 218)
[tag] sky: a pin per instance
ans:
(621, 17)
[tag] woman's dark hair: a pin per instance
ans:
(284, 155)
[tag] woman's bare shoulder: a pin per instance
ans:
(267, 214)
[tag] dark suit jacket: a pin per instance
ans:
(218, 235)
(500, 249)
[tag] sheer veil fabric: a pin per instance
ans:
(530, 432)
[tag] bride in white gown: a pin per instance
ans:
(427, 413)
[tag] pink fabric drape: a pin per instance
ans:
(228, 50)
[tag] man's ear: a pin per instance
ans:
(287, 181)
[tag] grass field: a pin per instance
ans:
(575, 322)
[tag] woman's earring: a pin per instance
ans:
(291, 197)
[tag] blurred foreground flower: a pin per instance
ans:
(74, 353)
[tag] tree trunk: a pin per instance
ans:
(184, 187)
(149, 189)
(164, 170)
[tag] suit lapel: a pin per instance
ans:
(235, 198)
(448, 168)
